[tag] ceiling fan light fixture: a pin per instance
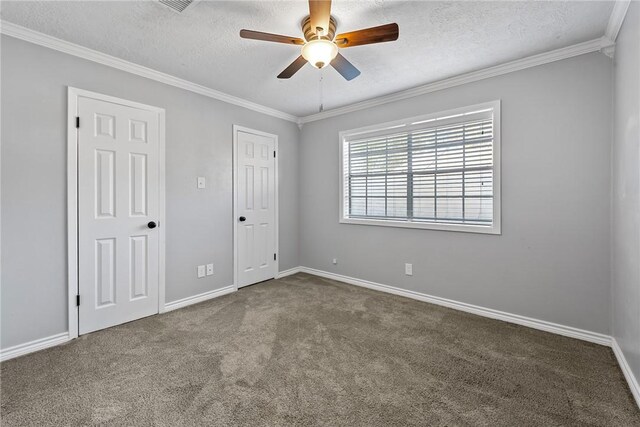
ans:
(319, 53)
(320, 43)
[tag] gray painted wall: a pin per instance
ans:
(552, 261)
(198, 143)
(626, 190)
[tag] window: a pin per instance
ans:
(440, 171)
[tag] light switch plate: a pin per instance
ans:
(209, 269)
(200, 271)
(202, 182)
(408, 269)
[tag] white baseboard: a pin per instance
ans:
(288, 272)
(626, 370)
(33, 346)
(174, 305)
(54, 340)
(542, 325)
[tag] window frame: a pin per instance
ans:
(494, 228)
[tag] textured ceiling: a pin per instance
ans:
(437, 40)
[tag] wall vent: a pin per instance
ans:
(176, 5)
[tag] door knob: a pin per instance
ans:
(242, 219)
(152, 224)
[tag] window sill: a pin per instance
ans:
(466, 228)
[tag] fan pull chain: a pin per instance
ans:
(321, 109)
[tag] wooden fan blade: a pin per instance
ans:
(383, 33)
(344, 67)
(319, 14)
(293, 68)
(268, 37)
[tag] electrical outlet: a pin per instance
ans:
(201, 271)
(335, 261)
(408, 269)
(202, 182)
(209, 269)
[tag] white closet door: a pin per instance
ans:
(118, 181)
(256, 210)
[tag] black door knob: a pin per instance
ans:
(152, 224)
(242, 219)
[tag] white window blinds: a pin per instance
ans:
(439, 170)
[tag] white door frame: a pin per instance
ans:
(236, 129)
(72, 196)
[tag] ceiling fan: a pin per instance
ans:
(320, 46)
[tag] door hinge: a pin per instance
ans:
(77, 121)
(274, 153)
(274, 257)
(77, 300)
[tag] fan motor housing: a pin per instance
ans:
(310, 33)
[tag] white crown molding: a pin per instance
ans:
(474, 76)
(605, 44)
(543, 325)
(609, 50)
(616, 19)
(41, 39)
(33, 346)
(174, 305)
(626, 371)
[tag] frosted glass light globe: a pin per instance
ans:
(319, 53)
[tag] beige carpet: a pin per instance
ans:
(309, 351)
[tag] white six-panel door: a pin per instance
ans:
(118, 202)
(255, 213)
